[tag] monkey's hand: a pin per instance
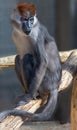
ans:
(24, 99)
(37, 79)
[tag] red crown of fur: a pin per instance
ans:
(23, 8)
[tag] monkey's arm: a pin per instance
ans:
(37, 79)
(40, 69)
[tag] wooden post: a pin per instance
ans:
(74, 106)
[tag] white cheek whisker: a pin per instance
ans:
(35, 21)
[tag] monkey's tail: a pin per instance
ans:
(20, 113)
(14, 112)
(45, 115)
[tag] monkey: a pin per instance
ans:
(37, 64)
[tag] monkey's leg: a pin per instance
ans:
(28, 69)
(19, 75)
(18, 69)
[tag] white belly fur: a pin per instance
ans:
(23, 43)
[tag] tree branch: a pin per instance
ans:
(8, 62)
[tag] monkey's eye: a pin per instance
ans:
(31, 19)
(27, 19)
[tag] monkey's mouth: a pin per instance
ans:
(26, 29)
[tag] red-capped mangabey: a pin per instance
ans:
(37, 64)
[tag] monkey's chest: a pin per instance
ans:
(23, 43)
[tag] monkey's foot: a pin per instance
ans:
(24, 99)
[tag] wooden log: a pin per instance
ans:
(69, 69)
(74, 106)
(8, 62)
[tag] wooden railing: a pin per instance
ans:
(69, 75)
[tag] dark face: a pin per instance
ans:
(27, 24)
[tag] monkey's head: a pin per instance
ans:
(23, 17)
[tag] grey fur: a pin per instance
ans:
(47, 75)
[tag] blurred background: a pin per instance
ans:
(59, 16)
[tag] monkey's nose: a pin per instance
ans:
(26, 29)
(29, 24)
